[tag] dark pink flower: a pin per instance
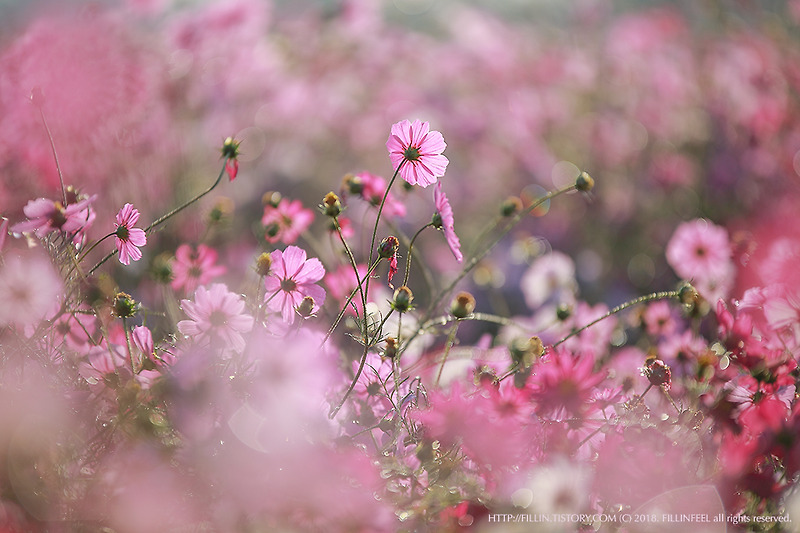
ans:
(216, 314)
(446, 221)
(286, 222)
(417, 152)
(563, 384)
(374, 188)
(192, 268)
(127, 237)
(292, 278)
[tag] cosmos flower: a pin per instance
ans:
(46, 215)
(127, 237)
(292, 278)
(445, 221)
(192, 268)
(417, 152)
(286, 221)
(216, 314)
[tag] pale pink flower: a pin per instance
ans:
(373, 191)
(30, 290)
(101, 363)
(550, 277)
(292, 278)
(286, 222)
(447, 220)
(216, 314)
(46, 215)
(127, 237)
(417, 152)
(701, 251)
(192, 268)
(659, 319)
(143, 340)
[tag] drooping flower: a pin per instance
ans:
(46, 215)
(417, 152)
(127, 237)
(292, 278)
(216, 314)
(445, 221)
(286, 221)
(192, 268)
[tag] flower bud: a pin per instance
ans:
(331, 205)
(230, 148)
(511, 206)
(657, 372)
(436, 221)
(221, 211)
(161, 269)
(306, 307)
(271, 198)
(352, 184)
(584, 182)
(563, 311)
(524, 352)
(388, 247)
(124, 306)
(390, 352)
(402, 299)
(463, 305)
(263, 264)
(485, 375)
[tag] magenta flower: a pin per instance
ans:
(216, 314)
(417, 152)
(193, 268)
(286, 222)
(292, 278)
(129, 238)
(445, 221)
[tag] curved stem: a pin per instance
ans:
(642, 299)
(55, 156)
(411, 251)
(451, 338)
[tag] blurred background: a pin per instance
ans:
(679, 110)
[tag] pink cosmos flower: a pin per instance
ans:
(286, 222)
(563, 384)
(127, 237)
(192, 268)
(373, 190)
(446, 221)
(701, 251)
(216, 314)
(46, 215)
(417, 152)
(292, 278)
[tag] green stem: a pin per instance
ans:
(411, 251)
(350, 299)
(451, 338)
(55, 156)
(642, 299)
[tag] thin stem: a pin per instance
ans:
(367, 345)
(350, 299)
(642, 299)
(411, 251)
(55, 156)
(451, 338)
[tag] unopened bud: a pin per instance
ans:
(584, 182)
(463, 305)
(390, 352)
(524, 352)
(388, 247)
(331, 205)
(657, 372)
(271, 198)
(352, 184)
(221, 211)
(124, 306)
(402, 299)
(511, 206)
(306, 307)
(563, 311)
(230, 148)
(161, 269)
(485, 375)
(263, 264)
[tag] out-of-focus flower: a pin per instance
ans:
(286, 221)
(46, 215)
(292, 278)
(216, 314)
(342, 281)
(373, 189)
(127, 237)
(446, 221)
(102, 362)
(30, 289)
(563, 384)
(659, 319)
(192, 268)
(550, 276)
(417, 152)
(701, 251)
